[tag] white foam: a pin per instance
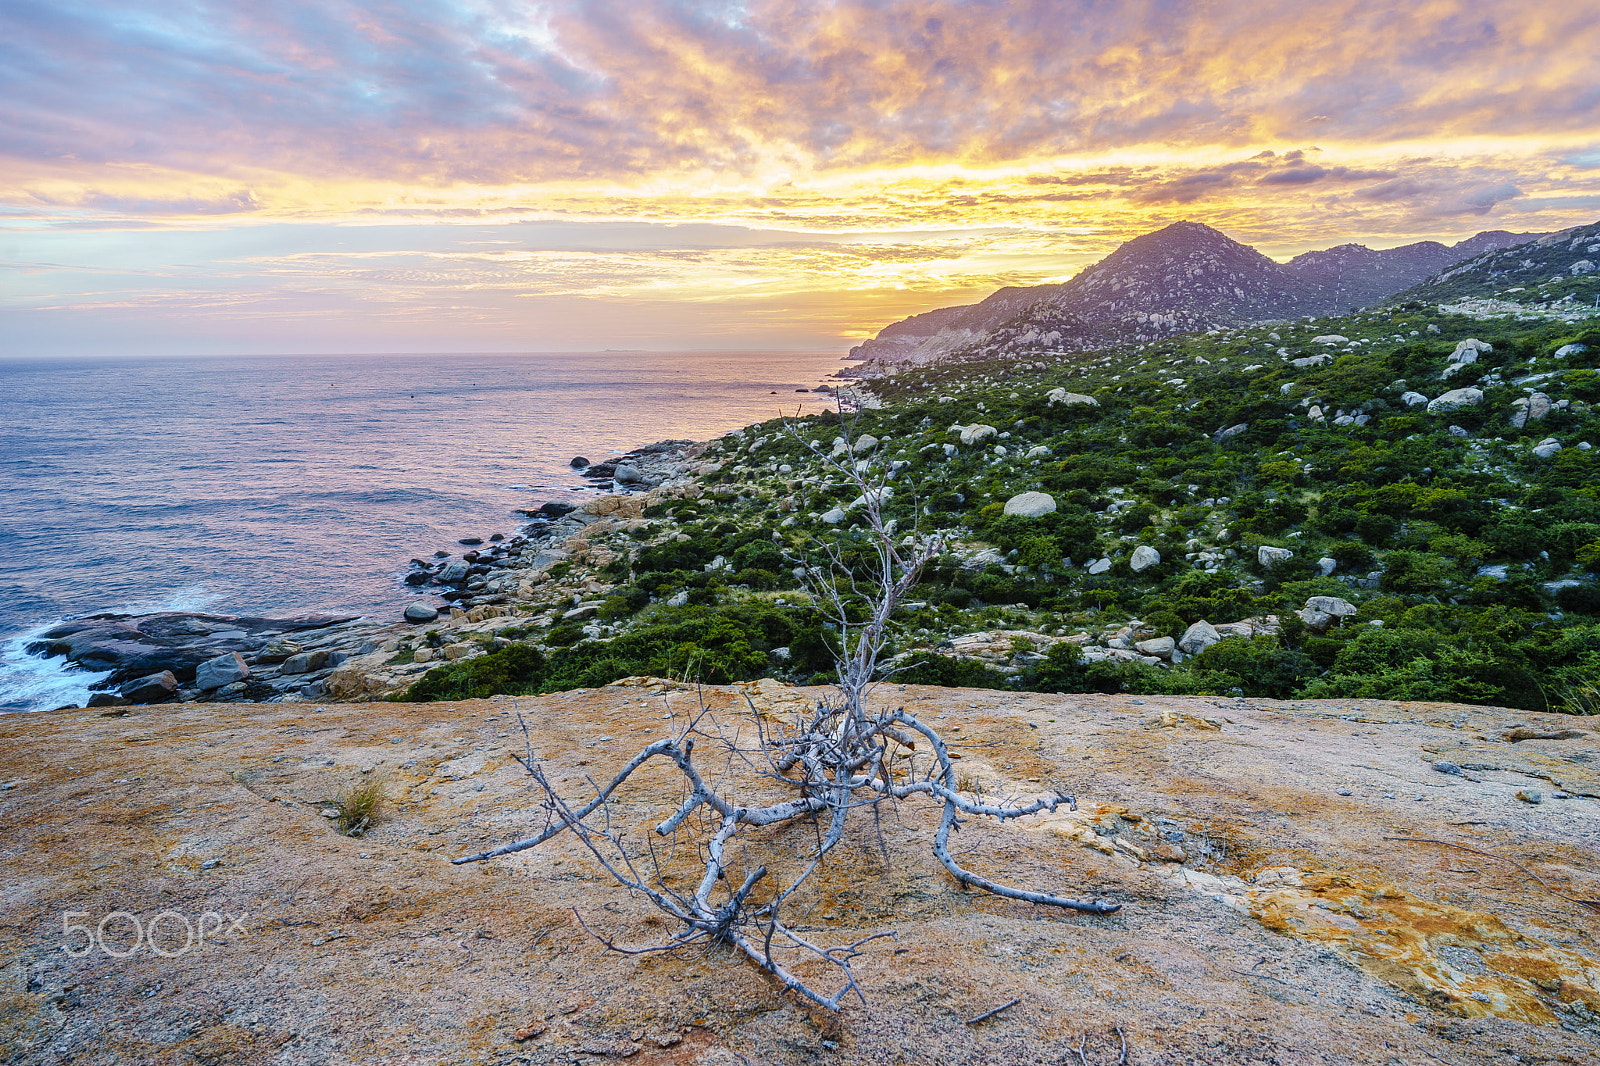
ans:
(189, 598)
(29, 683)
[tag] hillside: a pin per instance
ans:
(1266, 916)
(1553, 275)
(1184, 277)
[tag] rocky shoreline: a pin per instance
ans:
(201, 657)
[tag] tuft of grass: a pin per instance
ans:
(359, 806)
(1582, 698)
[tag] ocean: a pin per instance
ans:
(272, 485)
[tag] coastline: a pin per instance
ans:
(197, 656)
(32, 682)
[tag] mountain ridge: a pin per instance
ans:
(1185, 276)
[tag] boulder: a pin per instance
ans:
(1532, 408)
(978, 433)
(1411, 399)
(1454, 399)
(151, 689)
(679, 598)
(223, 670)
(1571, 349)
(628, 474)
(1547, 448)
(864, 444)
(1031, 504)
(614, 506)
(833, 516)
(1231, 431)
(1160, 647)
(1068, 399)
(276, 651)
(305, 662)
(1144, 557)
(1327, 565)
(1099, 566)
(1037, 451)
(1269, 556)
(554, 509)
(455, 571)
(1320, 612)
(1330, 338)
(420, 612)
(1467, 350)
(1198, 637)
(579, 462)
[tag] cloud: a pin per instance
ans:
(320, 156)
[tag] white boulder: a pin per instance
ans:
(1160, 647)
(864, 444)
(1144, 557)
(1411, 399)
(1198, 637)
(833, 517)
(1330, 338)
(1269, 556)
(1099, 566)
(1571, 349)
(1068, 399)
(1455, 399)
(1031, 504)
(1327, 565)
(978, 433)
(1547, 448)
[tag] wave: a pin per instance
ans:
(31, 683)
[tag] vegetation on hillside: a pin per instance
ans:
(1469, 557)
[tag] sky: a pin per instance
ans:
(186, 177)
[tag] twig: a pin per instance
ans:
(1595, 903)
(986, 1015)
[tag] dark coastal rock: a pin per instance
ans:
(107, 699)
(579, 462)
(132, 647)
(554, 509)
(441, 555)
(600, 470)
(418, 577)
(420, 612)
(454, 571)
(496, 538)
(154, 688)
(223, 670)
(472, 542)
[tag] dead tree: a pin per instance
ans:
(835, 759)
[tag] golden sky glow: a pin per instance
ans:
(504, 176)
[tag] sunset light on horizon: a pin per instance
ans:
(494, 176)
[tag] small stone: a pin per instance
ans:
(1346, 792)
(1530, 795)
(1170, 853)
(1447, 768)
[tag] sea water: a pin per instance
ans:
(270, 485)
